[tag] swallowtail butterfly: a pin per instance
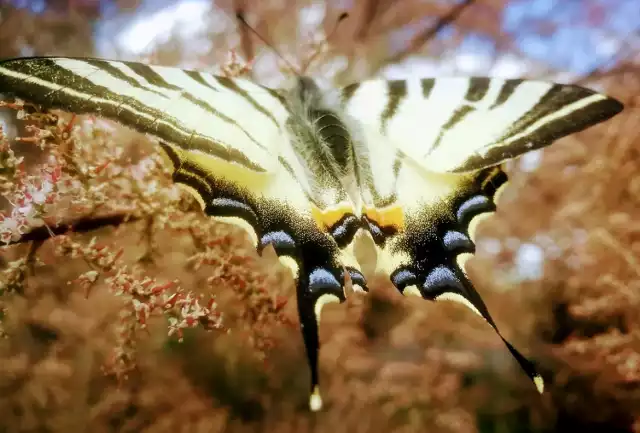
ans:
(414, 164)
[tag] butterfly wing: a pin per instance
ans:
(198, 110)
(434, 150)
(464, 124)
(232, 144)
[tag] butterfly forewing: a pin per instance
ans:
(464, 124)
(197, 110)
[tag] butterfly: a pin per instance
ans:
(415, 165)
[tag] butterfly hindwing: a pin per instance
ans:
(427, 256)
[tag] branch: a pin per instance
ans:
(598, 73)
(246, 43)
(429, 34)
(81, 225)
(370, 10)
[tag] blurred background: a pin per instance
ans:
(558, 265)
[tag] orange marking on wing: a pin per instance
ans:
(389, 216)
(327, 218)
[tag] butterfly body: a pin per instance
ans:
(413, 164)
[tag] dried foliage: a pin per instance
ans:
(113, 277)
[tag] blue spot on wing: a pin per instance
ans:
(439, 280)
(279, 240)
(403, 278)
(322, 279)
(454, 240)
(476, 204)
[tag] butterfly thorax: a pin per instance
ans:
(326, 145)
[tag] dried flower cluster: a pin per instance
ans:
(86, 174)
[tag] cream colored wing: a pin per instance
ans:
(464, 124)
(432, 152)
(235, 145)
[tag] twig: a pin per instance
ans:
(598, 73)
(81, 225)
(628, 256)
(370, 11)
(429, 34)
(31, 255)
(246, 43)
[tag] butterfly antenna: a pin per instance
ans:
(240, 17)
(318, 50)
(341, 18)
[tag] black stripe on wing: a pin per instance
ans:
(427, 85)
(397, 91)
(233, 86)
(151, 76)
(478, 88)
(556, 99)
(42, 81)
(506, 91)
(119, 74)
